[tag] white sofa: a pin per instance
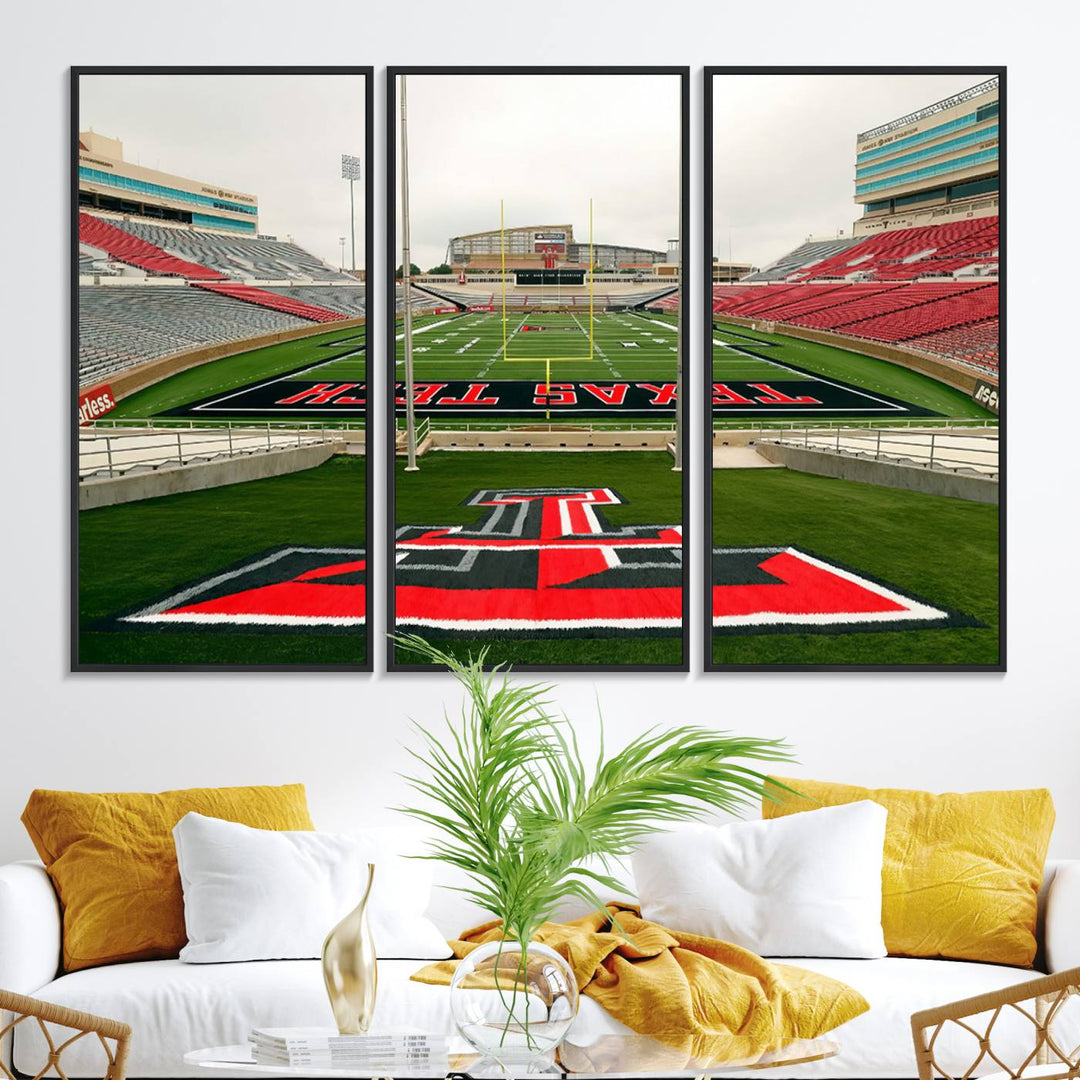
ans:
(175, 1007)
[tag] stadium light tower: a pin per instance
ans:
(406, 286)
(350, 170)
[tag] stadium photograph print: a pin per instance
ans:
(536, 254)
(220, 249)
(854, 368)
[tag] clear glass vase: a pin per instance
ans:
(514, 1005)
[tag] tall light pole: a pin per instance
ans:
(406, 285)
(350, 170)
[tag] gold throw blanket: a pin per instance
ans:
(703, 998)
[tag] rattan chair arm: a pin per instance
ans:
(1010, 995)
(59, 1014)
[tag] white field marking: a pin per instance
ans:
(542, 624)
(819, 378)
(499, 350)
(254, 620)
(467, 345)
(422, 329)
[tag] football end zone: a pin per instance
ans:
(294, 396)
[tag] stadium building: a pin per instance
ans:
(107, 182)
(933, 166)
(542, 246)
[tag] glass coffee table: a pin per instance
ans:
(629, 1056)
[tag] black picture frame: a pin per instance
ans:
(367, 72)
(683, 73)
(706, 372)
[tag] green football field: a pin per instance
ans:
(137, 553)
(613, 345)
(336, 354)
(943, 550)
(740, 353)
(652, 494)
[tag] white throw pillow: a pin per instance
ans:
(804, 885)
(259, 894)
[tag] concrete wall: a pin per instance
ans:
(885, 473)
(935, 366)
(128, 382)
(207, 474)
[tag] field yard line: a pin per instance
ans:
(814, 375)
(498, 351)
(423, 329)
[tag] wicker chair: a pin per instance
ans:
(1040, 1002)
(83, 1024)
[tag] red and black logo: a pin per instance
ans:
(288, 588)
(768, 590)
(540, 562)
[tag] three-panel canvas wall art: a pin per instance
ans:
(552, 358)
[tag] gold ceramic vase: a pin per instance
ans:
(349, 968)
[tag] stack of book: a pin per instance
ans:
(386, 1052)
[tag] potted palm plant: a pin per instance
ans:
(514, 805)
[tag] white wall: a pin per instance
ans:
(341, 735)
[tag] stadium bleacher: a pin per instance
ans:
(350, 302)
(963, 311)
(802, 258)
(135, 251)
(235, 256)
(975, 345)
(123, 326)
(605, 296)
(899, 254)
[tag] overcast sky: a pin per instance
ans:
(784, 152)
(279, 137)
(545, 144)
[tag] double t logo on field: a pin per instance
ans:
(541, 562)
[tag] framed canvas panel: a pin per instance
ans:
(536, 255)
(220, 258)
(854, 382)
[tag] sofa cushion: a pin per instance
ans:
(272, 894)
(175, 1007)
(961, 872)
(805, 885)
(112, 860)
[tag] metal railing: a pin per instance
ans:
(743, 424)
(969, 451)
(109, 453)
(450, 424)
(155, 422)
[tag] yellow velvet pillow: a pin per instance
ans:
(112, 861)
(961, 872)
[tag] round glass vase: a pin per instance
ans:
(514, 1004)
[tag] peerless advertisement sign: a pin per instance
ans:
(95, 402)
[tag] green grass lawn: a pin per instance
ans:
(139, 552)
(652, 494)
(624, 345)
(731, 361)
(944, 550)
(336, 354)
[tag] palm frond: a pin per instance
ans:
(517, 809)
